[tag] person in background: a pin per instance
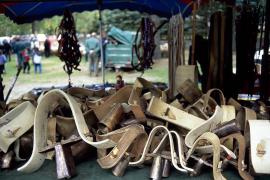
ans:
(86, 52)
(47, 47)
(119, 82)
(92, 47)
(7, 49)
(3, 60)
(26, 59)
(37, 60)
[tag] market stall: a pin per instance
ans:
(182, 129)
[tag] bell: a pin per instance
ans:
(227, 128)
(65, 166)
(166, 168)
(121, 166)
(157, 168)
(7, 160)
(199, 165)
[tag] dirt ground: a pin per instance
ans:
(53, 75)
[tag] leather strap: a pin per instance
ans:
(85, 93)
(207, 126)
(189, 90)
(241, 154)
(46, 105)
(259, 145)
(112, 118)
(199, 109)
(66, 125)
(173, 115)
(245, 114)
(184, 72)
(127, 137)
(214, 140)
(120, 96)
(234, 103)
(228, 115)
(15, 123)
(138, 87)
(208, 95)
(51, 136)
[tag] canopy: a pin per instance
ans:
(30, 10)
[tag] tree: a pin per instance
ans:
(11, 28)
(123, 19)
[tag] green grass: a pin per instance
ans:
(53, 73)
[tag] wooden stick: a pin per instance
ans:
(193, 31)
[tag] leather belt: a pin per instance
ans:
(15, 123)
(46, 105)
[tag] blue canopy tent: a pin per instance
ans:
(26, 11)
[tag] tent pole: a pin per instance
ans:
(101, 45)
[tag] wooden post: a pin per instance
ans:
(264, 83)
(193, 32)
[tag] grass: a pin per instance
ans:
(53, 73)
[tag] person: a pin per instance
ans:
(86, 52)
(7, 49)
(3, 60)
(37, 60)
(92, 47)
(26, 59)
(119, 82)
(47, 47)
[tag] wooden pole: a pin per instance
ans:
(193, 32)
(264, 83)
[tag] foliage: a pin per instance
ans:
(123, 19)
(10, 28)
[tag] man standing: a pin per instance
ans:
(7, 49)
(3, 60)
(92, 48)
(37, 60)
(47, 47)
